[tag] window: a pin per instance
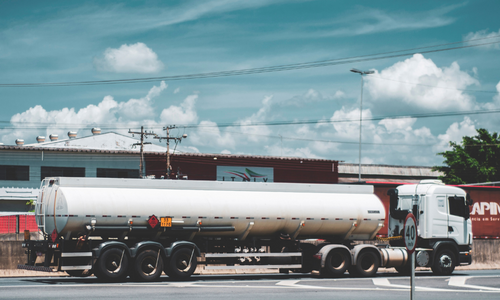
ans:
(457, 206)
(62, 171)
(118, 173)
(15, 173)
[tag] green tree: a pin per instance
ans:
(476, 159)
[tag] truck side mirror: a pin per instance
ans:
(469, 200)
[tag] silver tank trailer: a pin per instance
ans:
(68, 205)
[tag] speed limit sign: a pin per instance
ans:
(410, 233)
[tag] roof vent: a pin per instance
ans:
(53, 137)
(40, 139)
(96, 130)
(72, 134)
(19, 142)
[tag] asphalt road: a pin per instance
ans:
(461, 285)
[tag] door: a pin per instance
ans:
(437, 213)
(456, 219)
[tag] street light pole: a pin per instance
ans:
(360, 113)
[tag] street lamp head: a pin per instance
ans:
(354, 70)
(184, 135)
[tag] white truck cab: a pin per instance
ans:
(443, 223)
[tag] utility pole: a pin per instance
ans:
(142, 143)
(168, 138)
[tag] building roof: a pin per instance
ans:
(23, 194)
(104, 141)
(386, 173)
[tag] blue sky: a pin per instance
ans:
(68, 41)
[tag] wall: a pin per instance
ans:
(204, 167)
(36, 159)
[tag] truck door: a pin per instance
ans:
(438, 215)
(456, 219)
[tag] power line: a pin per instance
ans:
(39, 125)
(278, 68)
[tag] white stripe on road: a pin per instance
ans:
(460, 281)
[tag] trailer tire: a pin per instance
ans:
(444, 262)
(336, 263)
(112, 265)
(366, 265)
(148, 266)
(182, 263)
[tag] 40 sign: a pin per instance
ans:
(410, 233)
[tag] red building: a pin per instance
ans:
(243, 168)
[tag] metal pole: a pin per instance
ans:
(142, 153)
(168, 154)
(360, 123)
(412, 291)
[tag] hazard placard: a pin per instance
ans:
(166, 222)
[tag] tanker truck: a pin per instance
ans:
(115, 228)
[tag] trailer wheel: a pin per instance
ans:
(444, 263)
(366, 265)
(337, 262)
(182, 263)
(112, 265)
(148, 265)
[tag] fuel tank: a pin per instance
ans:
(68, 205)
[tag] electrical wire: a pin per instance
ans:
(41, 125)
(278, 68)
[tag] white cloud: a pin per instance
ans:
(350, 129)
(257, 133)
(455, 133)
(177, 90)
(134, 58)
(183, 114)
(418, 83)
(483, 34)
(108, 111)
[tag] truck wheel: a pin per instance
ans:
(366, 265)
(444, 263)
(181, 264)
(148, 266)
(79, 273)
(404, 270)
(336, 263)
(112, 265)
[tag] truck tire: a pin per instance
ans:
(112, 265)
(182, 264)
(366, 265)
(148, 266)
(336, 263)
(444, 263)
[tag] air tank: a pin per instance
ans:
(70, 206)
